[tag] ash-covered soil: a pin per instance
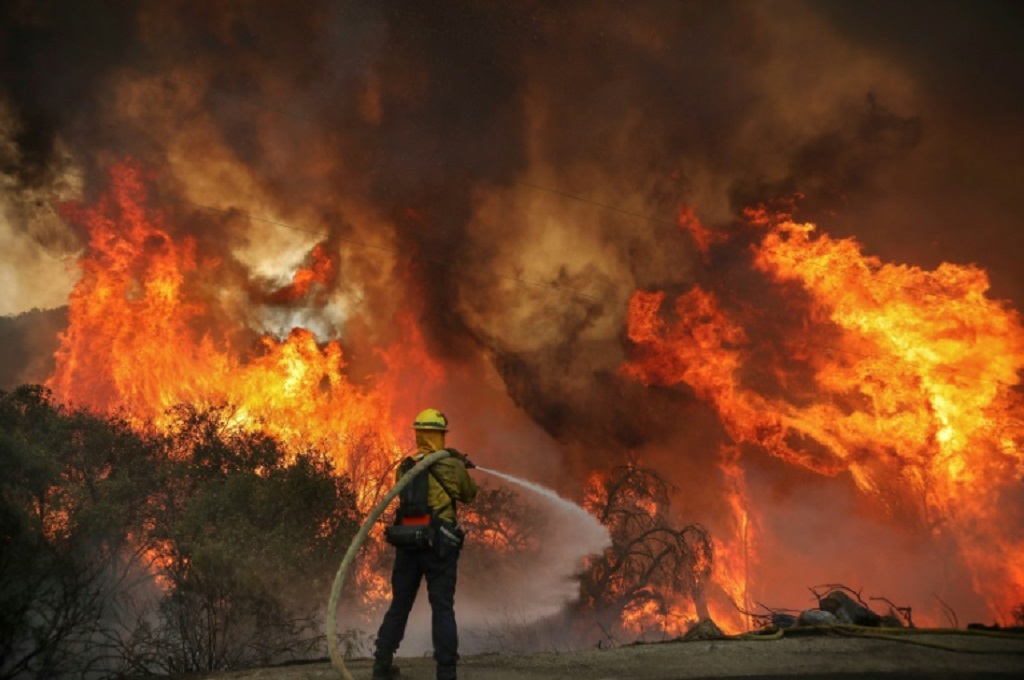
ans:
(920, 655)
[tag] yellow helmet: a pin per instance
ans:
(431, 419)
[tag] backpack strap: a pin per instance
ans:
(413, 499)
(408, 464)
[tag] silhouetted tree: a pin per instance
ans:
(74, 488)
(123, 553)
(650, 562)
(250, 536)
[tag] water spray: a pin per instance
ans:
(566, 536)
(543, 491)
(337, 659)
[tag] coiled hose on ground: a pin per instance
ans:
(337, 659)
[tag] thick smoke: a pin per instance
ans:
(511, 174)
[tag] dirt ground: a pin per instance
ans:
(922, 655)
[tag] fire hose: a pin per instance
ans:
(337, 659)
(904, 635)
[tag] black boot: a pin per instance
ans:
(446, 673)
(384, 669)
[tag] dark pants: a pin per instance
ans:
(410, 568)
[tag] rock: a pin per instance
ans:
(783, 620)
(817, 617)
(848, 610)
(706, 629)
(890, 620)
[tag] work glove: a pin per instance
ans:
(461, 456)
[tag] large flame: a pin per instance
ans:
(736, 551)
(142, 337)
(903, 377)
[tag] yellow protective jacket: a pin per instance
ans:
(451, 472)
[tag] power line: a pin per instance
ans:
(254, 101)
(238, 97)
(913, 289)
(324, 234)
(527, 282)
(606, 206)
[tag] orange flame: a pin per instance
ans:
(143, 336)
(320, 273)
(703, 238)
(736, 553)
(912, 386)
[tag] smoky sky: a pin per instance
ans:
(521, 164)
(966, 55)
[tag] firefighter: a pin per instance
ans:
(448, 484)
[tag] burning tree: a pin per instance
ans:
(651, 566)
(502, 521)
